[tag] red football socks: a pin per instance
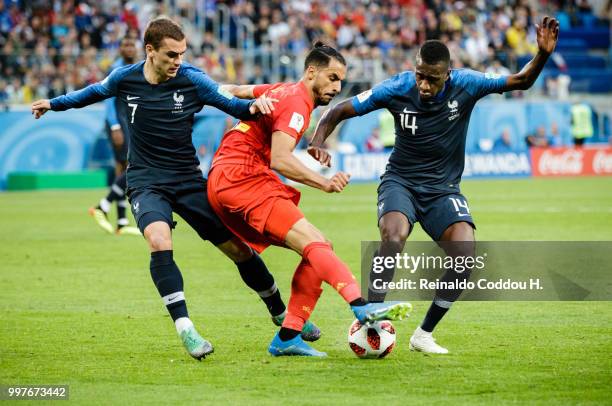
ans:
(332, 270)
(305, 292)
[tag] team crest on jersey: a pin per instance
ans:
(178, 102)
(178, 99)
(297, 122)
(454, 110)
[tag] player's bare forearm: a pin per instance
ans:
(291, 168)
(528, 75)
(284, 162)
(547, 36)
(330, 119)
(240, 91)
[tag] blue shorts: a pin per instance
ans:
(436, 210)
(188, 199)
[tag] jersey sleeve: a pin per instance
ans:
(211, 93)
(380, 95)
(258, 90)
(90, 94)
(480, 84)
(291, 116)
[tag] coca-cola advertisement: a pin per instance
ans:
(571, 161)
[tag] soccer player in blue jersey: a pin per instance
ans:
(431, 107)
(119, 136)
(159, 97)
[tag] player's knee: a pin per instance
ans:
(314, 235)
(460, 231)
(393, 233)
(159, 242)
(236, 250)
(302, 234)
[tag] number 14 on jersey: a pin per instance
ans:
(408, 122)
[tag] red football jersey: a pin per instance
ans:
(250, 142)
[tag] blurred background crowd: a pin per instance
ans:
(49, 47)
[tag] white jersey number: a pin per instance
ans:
(407, 124)
(461, 206)
(134, 106)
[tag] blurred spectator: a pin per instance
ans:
(504, 142)
(497, 68)
(373, 143)
(386, 129)
(258, 77)
(538, 139)
(66, 45)
(518, 38)
(558, 87)
(554, 139)
(582, 123)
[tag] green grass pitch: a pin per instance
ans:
(78, 308)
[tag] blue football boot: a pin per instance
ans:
(381, 311)
(295, 346)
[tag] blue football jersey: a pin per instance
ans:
(115, 111)
(160, 118)
(430, 135)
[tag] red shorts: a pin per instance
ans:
(254, 204)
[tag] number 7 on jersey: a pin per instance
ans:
(134, 106)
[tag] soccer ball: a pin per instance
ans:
(371, 340)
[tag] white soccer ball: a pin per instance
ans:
(371, 340)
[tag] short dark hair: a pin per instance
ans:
(321, 54)
(433, 52)
(160, 28)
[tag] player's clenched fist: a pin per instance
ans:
(337, 182)
(40, 107)
(263, 105)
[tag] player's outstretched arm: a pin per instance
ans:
(80, 98)
(40, 107)
(263, 104)
(326, 125)
(547, 35)
(240, 91)
(284, 162)
(330, 119)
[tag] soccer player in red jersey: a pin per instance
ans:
(253, 202)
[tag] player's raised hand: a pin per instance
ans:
(321, 155)
(263, 104)
(337, 182)
(547, 33)
(40, 107)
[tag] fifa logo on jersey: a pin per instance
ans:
(454, 110)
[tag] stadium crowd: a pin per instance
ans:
(49, 47)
